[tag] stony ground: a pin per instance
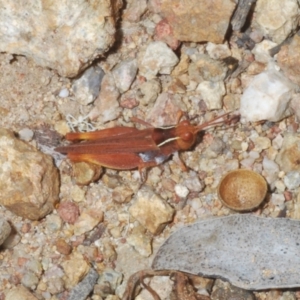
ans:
(105, 225)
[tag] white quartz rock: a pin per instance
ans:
(63, 35)
(266, 97)
(212, 93)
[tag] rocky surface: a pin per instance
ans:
(165, 58)
(88, 28)
(29, 180)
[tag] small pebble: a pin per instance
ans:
(158, 58)
(181, 191)
(5, 230)
(277, 199)
(87, 221)
(68, 211)
(64, 93)
(151, 210)
(63, 247)
(124, 74)
(108, 282)
(140, 241)
(19, 293)
(86, 88)
(75, 268)
(30, 280)
(26, 134)
(292, 180)
(212, 93)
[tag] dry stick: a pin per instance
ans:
(138, 277)
(241, 14)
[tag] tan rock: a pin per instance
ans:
(289, 59)
(85, 173)
(198, 20)
(29, 182)
(75, 269)
(40, 29)
(140, 241)
(276, 19)
(151, 211)
(87, 221)
(19, 293)
(288, 157)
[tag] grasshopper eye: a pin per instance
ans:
(187, 137)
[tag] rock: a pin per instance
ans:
(64, 93)
(30, 280)
(85, 287)
(140, 241)
(157, 59)
(68, 211)
(76, 268)
(225, 291)
(267, 97)
(164, 33)
(289, 59)
(108, 282)
(106, 105)
(277, 199)
(55, 285)
(192, 182)
(276, 19)
(210, 69)
(128, 100)
(295, 106)
(29, 182)
(5, 230)
(19, 293)
(122, 194)
(124, 73)
(261, 143)
(292, 180)
(191, 22)
(288, 157)
(181, 190)
(87, 221)
(165, 110)
(148, 91)
(212, 93)
(229, 245)
(261, 51)
(86, 88)
(151, 211)
(218, 51)
(134, 10)
(85, 173)
(26, 134)
(271, 170)
(63, 247)
(40, 30)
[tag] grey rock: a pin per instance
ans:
(292, 180)
(124, 74)
(83, 289)
(87, 87)
(5, 230)
(251, 252)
